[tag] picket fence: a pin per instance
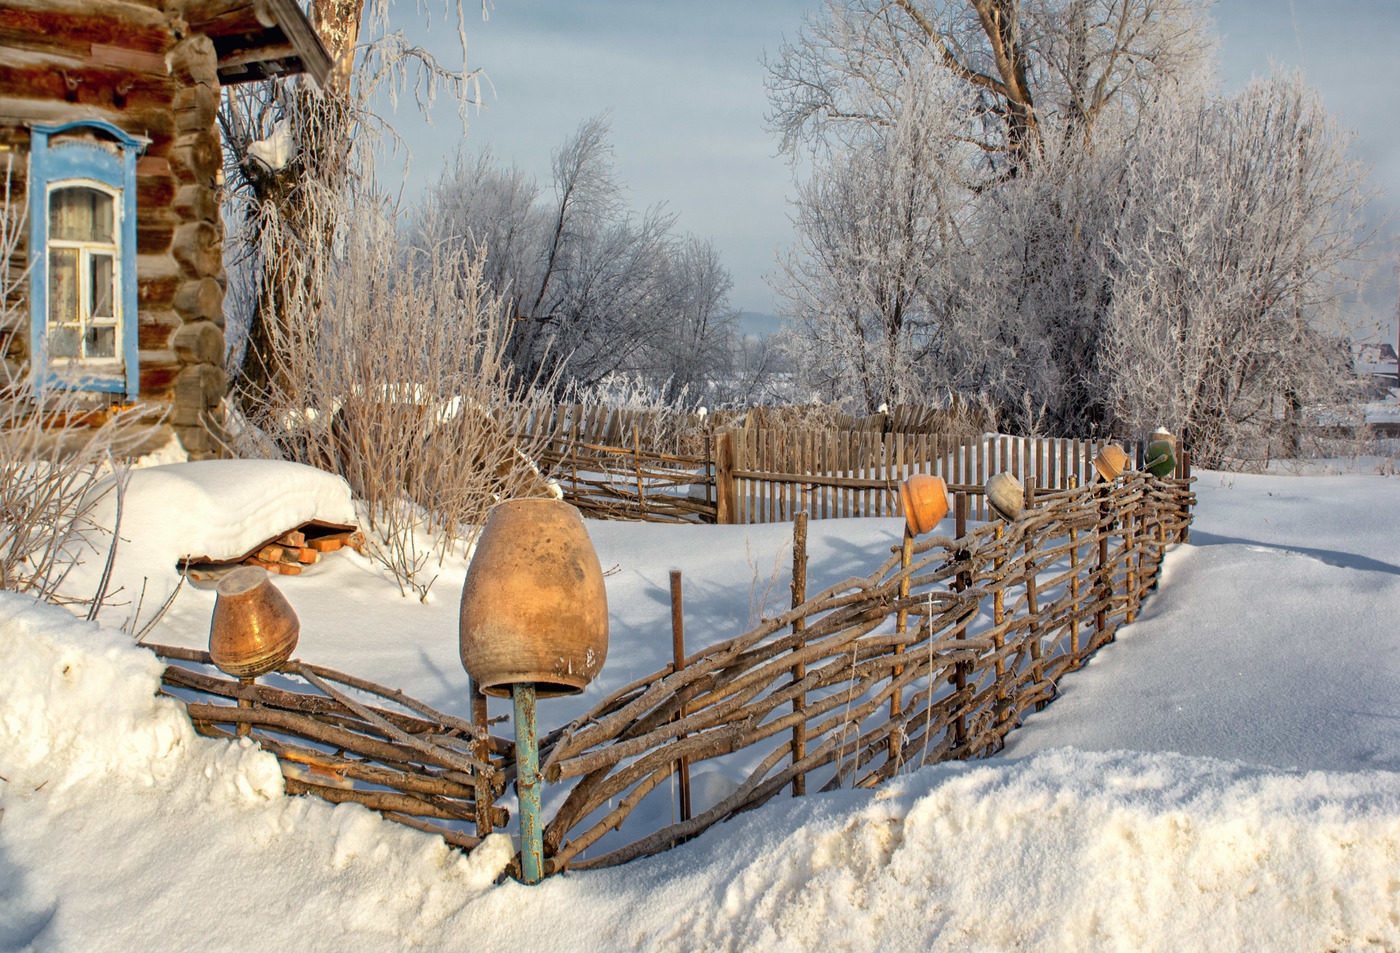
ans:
(754, 470)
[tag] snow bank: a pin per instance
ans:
(122, 829)
(1063, 851)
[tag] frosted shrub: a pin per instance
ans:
(395, 380)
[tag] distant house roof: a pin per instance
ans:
(260, 39)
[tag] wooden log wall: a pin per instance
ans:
(912, 664)
(138, 66)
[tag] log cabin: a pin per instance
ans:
(109, 135)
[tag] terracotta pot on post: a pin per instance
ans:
(1110, 462)
(1005, 495)
(534, 622)
(254, 629)
(534, 609)
(923, 498)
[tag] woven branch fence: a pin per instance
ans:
(344, 738)
(934, 655)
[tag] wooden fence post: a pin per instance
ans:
(678, 653)
(1032, 601)
(482, 750)
(1073, 582)
(1130, 550)
(961, 583)
(1105, 586)
(799, 670)
(999, 617)
(725, 494)
(901, 628)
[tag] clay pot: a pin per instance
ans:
(1005, 495)
(1110, 462)
(534, 608)
(1161, 458)
(254, 629)
(1161, 453)
(924, 500)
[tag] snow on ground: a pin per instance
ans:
(1226, 776)
(1271, 640)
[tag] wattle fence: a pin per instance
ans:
(934, 654)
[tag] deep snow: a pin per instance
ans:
(1232, 783)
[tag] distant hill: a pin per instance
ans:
(758, 324)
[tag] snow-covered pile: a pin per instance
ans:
(124, 830)
(216, 509)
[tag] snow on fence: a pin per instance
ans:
(934, 655)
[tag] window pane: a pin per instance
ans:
(101, 341)
(102, 285)
(63, 286)
(64, 342)
(81, 214)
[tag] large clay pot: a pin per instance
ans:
(254, 629)
(924, 500)
(1005, 495)
(1110, 462)
(534, 608)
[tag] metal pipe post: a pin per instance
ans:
(527, 783)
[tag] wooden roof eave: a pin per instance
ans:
(260, 39)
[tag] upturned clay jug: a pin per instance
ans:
(534, 608)
(1005, 495)
(254, 629)
(924, 500)
(1110, 462)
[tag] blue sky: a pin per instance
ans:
(683, 84)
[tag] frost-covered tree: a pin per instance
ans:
(877, 225)
(1100, 151)
(1229, 260)
(1037, 71)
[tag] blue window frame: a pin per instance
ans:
(82, 241)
